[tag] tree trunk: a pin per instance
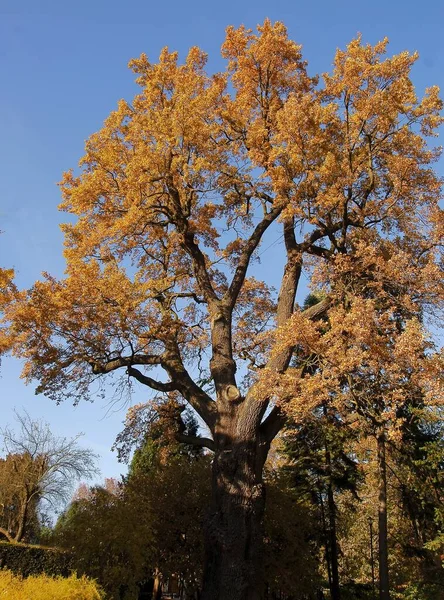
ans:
(234, 534)
(157, 588)
(326, 538)
(335, 589)
(22, 521)
(384, 593)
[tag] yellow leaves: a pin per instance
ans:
(264, 69)
(8, 292)
(178, 186)
(6, 284)
(42, 587)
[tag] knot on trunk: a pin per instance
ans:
(232, 394)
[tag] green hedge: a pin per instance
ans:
(25, 560)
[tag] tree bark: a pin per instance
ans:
(234, 535)
(335, 589)
(157, 588)
(22, 521)
(326, 538)
(384, 592)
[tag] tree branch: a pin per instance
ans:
(123, 361)
(202, 403)
(244, 259)
(195, 440)
(287, 293)
(200, 267)
(192, 248)
(7, 535)
(276, 419)
(317, 310)
(159, 386)
(271, 426)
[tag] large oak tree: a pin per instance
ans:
(175, 195)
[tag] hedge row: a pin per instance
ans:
(25, 560)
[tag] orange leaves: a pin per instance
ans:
(177, 190)
(263, 64)
(6, 285)
(264, 69)
(7, 292)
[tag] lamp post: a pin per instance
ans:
(370, 524)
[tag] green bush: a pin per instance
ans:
(358, 591)
(25, 560)
(422, 592)
(42, 587)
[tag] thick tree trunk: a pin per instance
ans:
(384, 592)
(234, 534)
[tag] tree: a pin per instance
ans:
(109, 538)
(292, 544)
(15, 470)
(375, 360)
(320, 466)
(38, 467)
(172, 479)
(175, 195)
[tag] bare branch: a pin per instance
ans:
(195, 440)
(152, 383)
(99, 368)
(202, 403)
(244, 259)
(272, 424)
(38, 467)
(317, 310)
(7, 535)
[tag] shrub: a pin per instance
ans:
(25, 560)
(42, 587)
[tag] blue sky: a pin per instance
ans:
(62, 70)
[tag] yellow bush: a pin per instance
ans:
(42, 587)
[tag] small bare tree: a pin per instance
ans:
(38, 467)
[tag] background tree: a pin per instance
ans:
(379, 361)
(292, 541)
(39, 467)
(18, 471)
(320, 466)
(109, 538)
(152, 284)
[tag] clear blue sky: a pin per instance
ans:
(62, 70)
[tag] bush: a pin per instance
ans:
(42, 587)
(25, 560)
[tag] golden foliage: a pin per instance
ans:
(42, 587)
(176, 192)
